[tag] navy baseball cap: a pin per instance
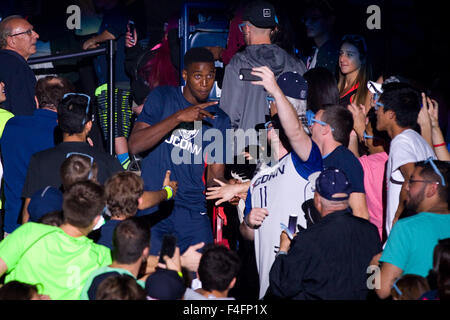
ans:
(165, 284)
(261, 14)
(45, 201)
(293, 85)
(332, 181)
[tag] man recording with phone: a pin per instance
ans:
(279, 190)
(245, 103)
(329, 260)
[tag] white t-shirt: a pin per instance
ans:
(281, 189)
(408, 146)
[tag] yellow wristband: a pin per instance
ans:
(180, 274)
(169, 192)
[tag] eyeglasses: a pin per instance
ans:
(366, 136)
(310, 118)
(378, 105)
(435, 168)
(29, 32)
(269, 100)
(242, 25)
(83, 155)
(82, 95)
(411, 181)
(313, 120)
(396, 288)
(268, 125)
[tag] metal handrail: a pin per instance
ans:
(109, 51)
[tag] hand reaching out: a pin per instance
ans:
(359, 118)
(225, 192)
(191, 257)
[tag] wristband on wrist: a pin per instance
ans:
(180, 274)
(439, 145)
(281, 253)
(169, 192)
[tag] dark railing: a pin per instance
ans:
(184, 29)
(109, 51)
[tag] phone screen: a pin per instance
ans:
(131, 28)
(168, 247)
(245, 75)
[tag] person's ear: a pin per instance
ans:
(232, 283)
(145, 252)
(184, 74)
(10, 41)
(88, 127)
(37, 102)
(391, 115)
(431, 190)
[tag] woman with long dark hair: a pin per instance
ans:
(354, 71)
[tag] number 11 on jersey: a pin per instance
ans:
(263, 196)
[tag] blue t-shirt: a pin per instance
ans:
(22, 137)
(411, 243)
(43, 201)
(107, 232)
(343, 159)
(186, 150)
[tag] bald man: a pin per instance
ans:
(17, 44)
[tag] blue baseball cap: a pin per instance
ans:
(332, 181)
(165, 284)
(293, 85)
(45, 201)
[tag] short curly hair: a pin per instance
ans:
(122, 193)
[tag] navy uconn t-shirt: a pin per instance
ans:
(184, 150)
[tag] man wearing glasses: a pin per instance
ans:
(330, 128)
(409, 248)
(17, 44)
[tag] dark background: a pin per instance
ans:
(413, 40)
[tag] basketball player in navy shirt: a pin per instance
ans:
(176, 125)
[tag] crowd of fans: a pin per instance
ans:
(346, 174)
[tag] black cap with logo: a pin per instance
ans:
(261, 14)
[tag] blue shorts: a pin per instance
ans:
(188, 226)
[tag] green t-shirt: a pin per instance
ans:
(411, 243)
(102, 270)
(5, 115)
(41, 254)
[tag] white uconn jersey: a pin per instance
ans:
(281, 189)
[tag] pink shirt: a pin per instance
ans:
(374, 168)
